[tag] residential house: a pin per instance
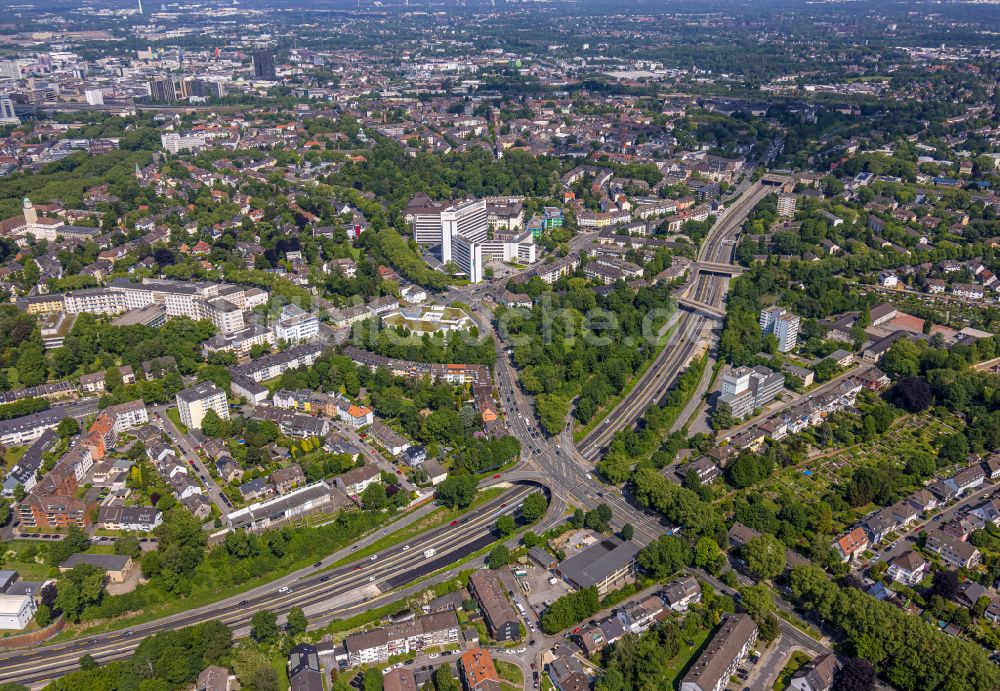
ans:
(681, 593)
(500, 617)
(816, 675)
(908, 568)
(731, 643)
(957, 553)
(853, 543)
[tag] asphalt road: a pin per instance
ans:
(187, 444)
(365, 582)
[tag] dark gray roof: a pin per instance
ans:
(599, 561)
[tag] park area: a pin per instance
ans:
(911, 437)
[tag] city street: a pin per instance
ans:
(188, 445)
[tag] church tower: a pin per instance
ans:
(30, 215)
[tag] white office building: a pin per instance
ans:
(467, 254)
(194, 402)
(467, 219)
(175, 143)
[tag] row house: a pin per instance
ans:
(378, 645)
(957, 553)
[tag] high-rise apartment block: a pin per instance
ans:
(193, 403)
(783, 324)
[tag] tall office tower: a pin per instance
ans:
(468, 219)
(7, 114)
(468, 256)
(163, 90)
(424, 215)
(263, 65)
(192, 87)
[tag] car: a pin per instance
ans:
(371, 579)
(244, 603)
(432, 656)
(504, 504)
(387, 670)
(521, 651)
(497, 476)
(128, 634)
(532, 642)
(575, 631)
(937, 518)
(453, 524)
(318, 564)
(358, 567)
(373, 557)
(92, 641)
(324, 579)
(406, 547)
(409, 662)
(283, 589)
(354, 548)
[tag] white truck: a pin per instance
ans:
(428, 553)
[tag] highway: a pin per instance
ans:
(364, 582)
(557, 462)
(691, 330)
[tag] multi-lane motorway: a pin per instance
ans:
(691, 330)
(367, 582)
(565, 470)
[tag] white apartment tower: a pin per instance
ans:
(194, 402)
(783, 324)
(786, 204)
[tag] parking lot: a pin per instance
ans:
(535, 588)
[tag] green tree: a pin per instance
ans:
(264, 627)
(79, 588)
(297, 622)
(373, 497)
(506, 525)
(664, 557)
(757, 601)
(457, 491)
(499, 557)
(628, 532)
(67, 427)
(764, 556)
(708, 556)
(534, 507)
(214, 426)
(444, 679)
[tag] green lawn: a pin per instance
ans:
(679, 665)
(175, 418)
(12, 455)
(798, 659)
(509, 672)
(280, 664)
